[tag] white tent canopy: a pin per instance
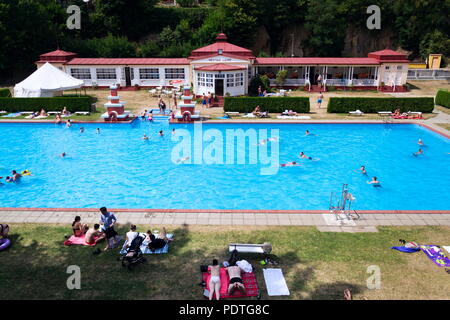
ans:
(45, 81)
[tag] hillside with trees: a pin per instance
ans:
(146, 28)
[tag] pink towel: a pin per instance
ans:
(78, 240)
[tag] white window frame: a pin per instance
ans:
(149, 73)
(174, 73)
(106, 73)
(81, 73)
(230, 80)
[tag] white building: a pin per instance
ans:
(223, 68)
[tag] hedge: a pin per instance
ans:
(48, 104)
(443, 98)
(4, 92)
(270, 104)
(373, 105)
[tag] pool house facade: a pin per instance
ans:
(226, 69)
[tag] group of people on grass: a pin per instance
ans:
(105, 230)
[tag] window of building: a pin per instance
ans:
(201, 81)
(230, 80)
(399, 67)
(386, 68)
(174, 73)
(239, 79)
(149, 73)
(81, 73)
(106, 73)
(210, 80)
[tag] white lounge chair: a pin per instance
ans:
(356, 113)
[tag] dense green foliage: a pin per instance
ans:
(72, 104)
(258, 81)
(373, 105)
(443, 98)
(272, 105)
(142, 28)
(4, 92)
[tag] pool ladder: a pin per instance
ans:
(342, 210)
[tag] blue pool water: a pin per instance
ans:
(118, 169)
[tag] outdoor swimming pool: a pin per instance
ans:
(118, 169)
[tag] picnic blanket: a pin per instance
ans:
(145, 249)
(78, 241)
(275, 282)
(248, 279)
(436, 255)
(405, 249)
(12, 115)
(446, 248)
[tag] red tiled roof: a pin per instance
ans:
(319, 61)
(128, 61)
(388, 55)
(222, 44)
(58, 53)
(220, 67)
(387, 52)
(206, 56)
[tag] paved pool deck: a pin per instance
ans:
(325, 222)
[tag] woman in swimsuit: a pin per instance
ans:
(4, 230)
(214, 282)
(78, 228)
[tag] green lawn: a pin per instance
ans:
(316, 265)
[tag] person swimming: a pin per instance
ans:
(304, 156)
(290, 164)
(362, 170)
(182, 160)
(145, 137)
(307, 133)
(81, 129)
(374, 182)
(68, 123)
(264, 141)
(173, 131)
(420, 142)
(415, 154)
(63, 154)
(161, 133)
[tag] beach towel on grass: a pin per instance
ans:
(248, 279)
(405, 249)
(447, 248)
(145, 249)
(436, 255)
(275, 282)
(78, 241)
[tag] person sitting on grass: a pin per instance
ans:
(235, 280)
(158, 242)
(43, 113)
(257, 111)
(214, 282)
(78, 228)
(130, 236)
(65, 112)
(94, 235)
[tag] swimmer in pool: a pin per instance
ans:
(145, 137)
(362, 170)
(9, 179)
(81, 130)
(98, 130)
(63, 154)
(182, 160)
(264, 141)
(307, 133)
(418, 153)
(420, 142)
(161, 133)
(68, 123)
(173, 131)
(304, 156)
(290, 164)
(375, 182)
(15, 176)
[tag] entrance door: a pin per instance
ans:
(312, 75)
(218, 87)
(127, 76)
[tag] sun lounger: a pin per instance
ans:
(40, 117)
(356, 113)
(384, 113)
(294, 117)
(83, 113)
(248, 279)
(249, 115)
(230, 114)
(246, 247)
(12, 115)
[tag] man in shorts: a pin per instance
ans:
(94, 235)
(108, 220)
(235, 280)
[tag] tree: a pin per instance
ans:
(435, 42)
(281, 77)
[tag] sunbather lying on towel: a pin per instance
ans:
(92, 233)
(158, 242)
(235, 279)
